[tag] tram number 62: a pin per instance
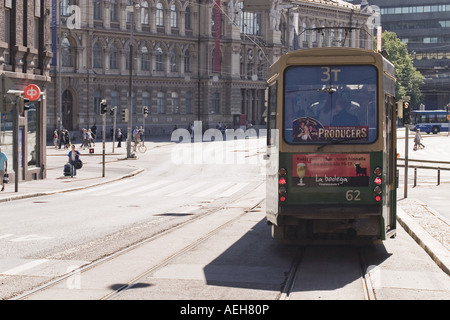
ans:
(353, 195)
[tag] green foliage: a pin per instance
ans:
(408, 78)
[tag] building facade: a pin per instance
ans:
(425, 27)
(25, 56)
(191, 60)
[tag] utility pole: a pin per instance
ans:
(130, 83)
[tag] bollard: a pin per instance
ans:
(438, 176)
(415, 177)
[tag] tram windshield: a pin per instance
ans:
(330, 104)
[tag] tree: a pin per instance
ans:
(408, 78)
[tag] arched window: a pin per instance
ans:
(144, 12)
(127, 57)
(187, 61)
(189, 102)
(146, 100)
(97, 9)
(175, 103)
(173, 61)
(145, 59)
(159, 14)
(188, 19)
(67, 53)
(113, 56)
(173, 16)
(115, 99)
(160, 102)
(97, 56)
(159, 59)
(97, 99)
(113, 11)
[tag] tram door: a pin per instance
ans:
(389, 212)
(67, 110)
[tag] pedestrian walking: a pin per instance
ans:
(418, 141)
(55, 139)
(119, 138)
(3, 167)
(66, 139)
(74, 156)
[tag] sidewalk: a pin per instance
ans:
(90, 175)
(430, 229)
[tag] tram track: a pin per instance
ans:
(350, 267)
(129, 284)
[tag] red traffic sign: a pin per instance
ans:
(32, 92)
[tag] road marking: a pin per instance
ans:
(139, 190)
(6, 236)
(190, 188)
(233, 190)
(208, 191)
(24, 267)
(30, 237)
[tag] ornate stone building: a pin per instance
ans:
(192, 59)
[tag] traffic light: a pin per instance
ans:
(145, 111)
(125, 115)
(406, 112)
(112, 111)
(103, 107)
(23, 104)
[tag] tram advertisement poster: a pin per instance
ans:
(331, 170)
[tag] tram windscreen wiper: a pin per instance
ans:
(337, 141)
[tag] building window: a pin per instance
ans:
(67, 58)
(173, 16)
(113, 10)
(173, 61)
(113, 58)
(216, 103)
(97, 100)
(127, 58)
(115, 99)
(145, 59)
(175, 103)
(159, 14)
(160, 102)
(159, 60)
(144, 12)
(97, 9)
(146, 100)
(187, 19)
(97, 56)
(187, 61)
(188, 102)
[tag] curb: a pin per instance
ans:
(432, 247)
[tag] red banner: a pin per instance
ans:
(331, 170)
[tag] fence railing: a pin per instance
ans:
(439, 166)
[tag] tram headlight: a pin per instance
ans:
(378, 191)
(378, 171)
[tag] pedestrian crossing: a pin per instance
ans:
(167, 188)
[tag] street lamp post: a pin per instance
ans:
(131, 9)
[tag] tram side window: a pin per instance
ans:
(272, 113)
(329, 103)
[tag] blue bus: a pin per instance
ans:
(428, 121)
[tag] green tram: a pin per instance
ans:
(331, 147)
